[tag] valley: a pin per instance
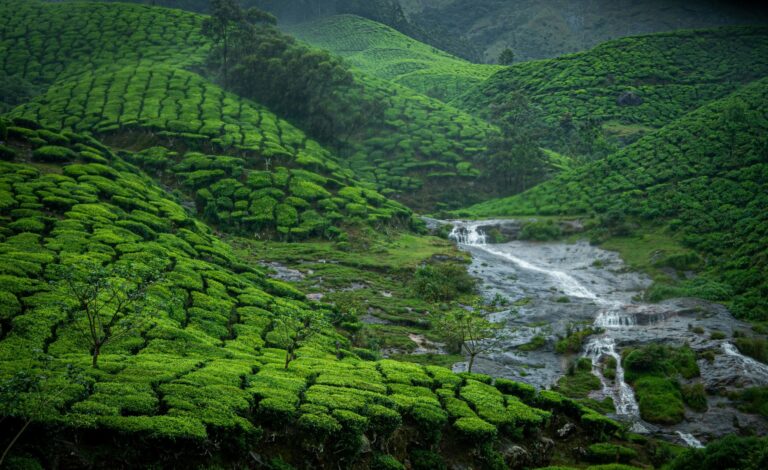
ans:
(385, 234)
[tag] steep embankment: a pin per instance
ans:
(383, 52)
(630, 86)
(703, 176)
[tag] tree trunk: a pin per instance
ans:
(471, 362)
(95, 355)
(15, 438)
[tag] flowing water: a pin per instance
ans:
(552, 286)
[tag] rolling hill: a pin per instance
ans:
(551, 28)
(383, 52)
(410, 149)
(629, 86)
(703, 177)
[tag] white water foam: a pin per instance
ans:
(690, 441)
(468, 233)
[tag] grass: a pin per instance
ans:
(375, 279)
(380, 51)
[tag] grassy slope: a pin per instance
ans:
(673, 73)
(704, 175)
(97, 85)
(380, 51)
(207, 372)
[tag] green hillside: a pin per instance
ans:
(383, 52)
(632, 85)
(703, 176)
(538, 29)
(204, 364)
(411, 146)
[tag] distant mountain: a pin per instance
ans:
(536, 29)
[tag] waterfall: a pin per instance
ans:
(468, 234)
(622, 394)
(690, 440)
(748, 364)
(612, 317)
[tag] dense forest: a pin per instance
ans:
(390, 234)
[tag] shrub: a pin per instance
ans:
(426, 460)
(606, 453)
(277, 410)
(8, 153)
(442, 282)
(53, 154)
(382, 419)
(386, 462)
(525, 392)
(660, 400)
(540, 231)
(319, 425)
(695, 396)
(475, 430)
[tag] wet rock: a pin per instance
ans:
(629, 98)
(516, 456)
(284, 273)
(316, 297)
(365, 445)
(542, 452)
(566, 430)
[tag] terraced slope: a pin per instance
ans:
(204, 380)
(380, 51)
(147, 91)
(704, 176)
(636, 83)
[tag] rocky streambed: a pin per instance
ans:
(550, 286)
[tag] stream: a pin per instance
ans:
(550, 286)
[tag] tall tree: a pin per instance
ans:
(108, 302)
(225, 17)
(514, 160)
(507, 57)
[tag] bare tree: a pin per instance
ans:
(109, 302)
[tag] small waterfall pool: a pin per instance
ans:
(554, 285)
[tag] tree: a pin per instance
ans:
(224, 20)
(294, 331)
(507, 57)
(514, 160)
(469, 331)
(108, 302)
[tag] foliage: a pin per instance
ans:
(442, 281)
(710, 200)
(468, 331)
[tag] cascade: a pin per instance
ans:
(690, 440)
(622, 394)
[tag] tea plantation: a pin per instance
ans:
(139, 82)
(205, 379)
(636, 84)
(380, 51)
